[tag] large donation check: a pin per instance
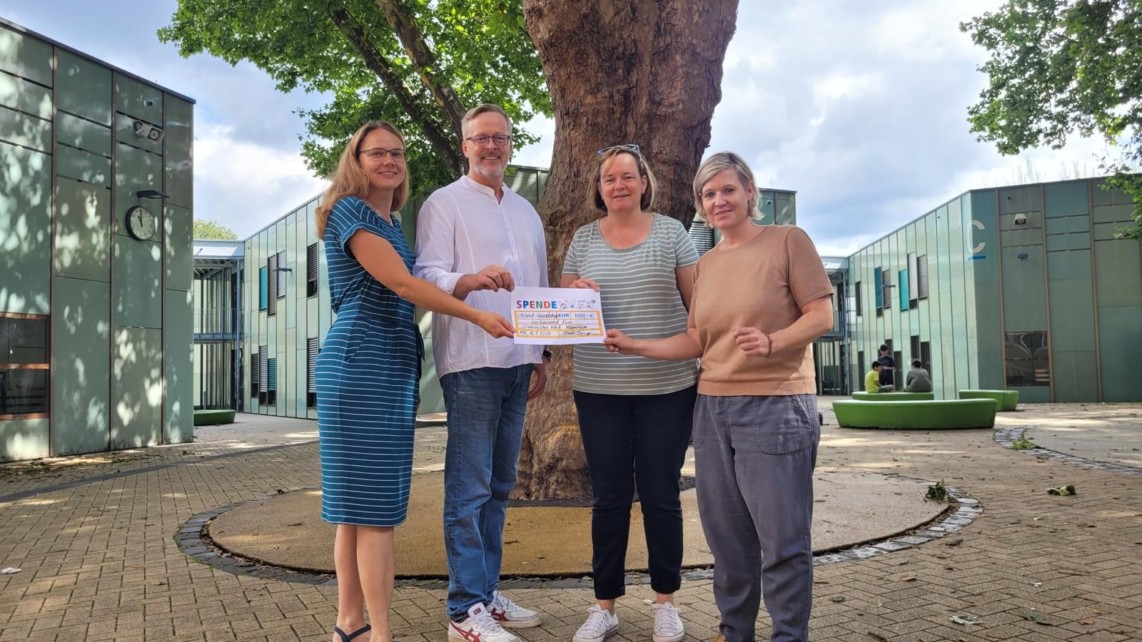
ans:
(557, 316)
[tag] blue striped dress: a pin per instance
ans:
(368, 376)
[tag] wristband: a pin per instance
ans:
(769, 343)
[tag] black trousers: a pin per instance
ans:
(636, 441)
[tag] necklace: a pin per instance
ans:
(388, 219)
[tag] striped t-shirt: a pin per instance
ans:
(639, 291)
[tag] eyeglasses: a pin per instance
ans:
(501, 140)
(625, 147)
(379, 153)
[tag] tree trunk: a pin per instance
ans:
(619, 71)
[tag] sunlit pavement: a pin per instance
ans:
(94, 541)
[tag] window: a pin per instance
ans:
(859, 301)
(913, 280)
(922, 276)
(263, 375)
(311, 350)
(878, 288)
(1028, 359)
(311, 270)
(25, 370)
(282, 271)
(272, 381)
(272, 295)
(904, 290)
(263, 284)
(886, 286)
(255, 369)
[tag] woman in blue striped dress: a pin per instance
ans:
(368, 372)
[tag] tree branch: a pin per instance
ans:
(423, 60)
(444, 144)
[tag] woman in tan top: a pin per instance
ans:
(760, 299)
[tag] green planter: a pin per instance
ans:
(894, 396)
(1007, 399)
(944, 414)
(213, 417)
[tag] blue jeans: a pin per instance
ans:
(485, 426)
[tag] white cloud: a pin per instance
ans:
(246, 185)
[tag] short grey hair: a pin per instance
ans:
(719, 163)
(483, 109)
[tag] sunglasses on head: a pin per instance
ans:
(625, 147)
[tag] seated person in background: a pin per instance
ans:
(918, 379)
(872, 380)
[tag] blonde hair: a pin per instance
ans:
(595, 197)
(717, 164)
(350, 179)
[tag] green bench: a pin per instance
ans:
(893, 396)
(943, 414)
(1007, 399)
(213, 417)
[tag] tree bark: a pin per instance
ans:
(424, 60)
(619, 71)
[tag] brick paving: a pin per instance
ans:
(95, 539)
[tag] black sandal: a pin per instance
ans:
(347, 637)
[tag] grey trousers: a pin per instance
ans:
(754, 460)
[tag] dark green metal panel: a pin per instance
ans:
(1119, 329)
(84, 134)
(1066, 199)
(25, 56)
(83, 87)
(83, 230)
(83, 166)
(177, 246)
(1074, 375)
(179, 142)
(137, 287)
(178, 366)
(25, 224)
(138, 380)
(143, 102)
(1024, 298)
(81, 366)
(1118, 270)
(21, 129)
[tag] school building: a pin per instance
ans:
(95, 266)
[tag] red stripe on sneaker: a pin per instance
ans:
(471, 636)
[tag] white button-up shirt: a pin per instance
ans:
(461, 229)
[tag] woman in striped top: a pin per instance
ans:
(634, 413)
(368, 371)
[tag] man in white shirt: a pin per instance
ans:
(478, 240)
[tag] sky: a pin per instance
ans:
(861, 108)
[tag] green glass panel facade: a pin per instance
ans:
(1032, 265)
(103, 294)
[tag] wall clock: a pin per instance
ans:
(140, 223)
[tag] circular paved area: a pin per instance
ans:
(286, 530)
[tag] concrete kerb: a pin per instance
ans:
(1007, 437)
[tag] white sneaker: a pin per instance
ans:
(479, 627)
(600, 625)
(667, 624)
(510, 614)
